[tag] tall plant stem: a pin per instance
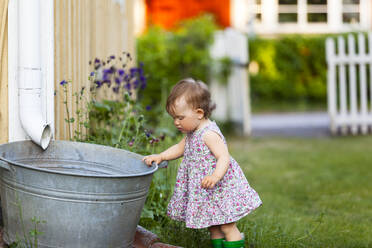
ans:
(67, 112)
(121, 133)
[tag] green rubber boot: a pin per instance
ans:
(234, 244)
(217, 243)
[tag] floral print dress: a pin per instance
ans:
(229, 200)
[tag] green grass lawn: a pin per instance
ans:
(260, 107)
(304, 182)
(315, 193)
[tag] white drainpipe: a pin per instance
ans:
(30, 74)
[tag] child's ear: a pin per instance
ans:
(200, 113)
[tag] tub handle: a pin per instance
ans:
(5, 165)
(163, 164)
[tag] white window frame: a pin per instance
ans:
(270, 9)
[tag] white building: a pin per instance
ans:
(266, 17)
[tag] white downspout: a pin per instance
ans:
(30, 74)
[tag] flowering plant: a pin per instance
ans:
(110, 112)
(115, 75)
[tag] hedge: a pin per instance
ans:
(290, 68)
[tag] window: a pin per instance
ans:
(316, 1)
(288, 11)
(258, 17)
(317, 11)
(317, 17)
(287, 1)
(350, 17)
(350, 1)
(287, 17)
(308, 16)
(257, 11)
(350, 11)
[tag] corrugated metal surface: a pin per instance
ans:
(3, 71)
(85, 29)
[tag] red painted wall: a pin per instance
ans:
(167, 13)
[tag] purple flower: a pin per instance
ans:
(133, 71)
(136, 84)
(121, 72)
(112, 57)
(148, 107)
(126, 78)
(96, 61)
(106, 75)
(148, 134)
(98, 83)
(92, 74)
(63, 82)
(105, 79)
(143, 85)
(117, 80)
(106, 71)
(127, 86)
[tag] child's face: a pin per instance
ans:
(185, 118)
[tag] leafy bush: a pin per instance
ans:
(172, 55)
(117, 121)
(291, 68)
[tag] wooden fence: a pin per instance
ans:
(85, 29)
(349, 82)
(4, 117)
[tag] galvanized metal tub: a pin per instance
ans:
(88, 195)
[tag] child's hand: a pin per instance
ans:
(208, 182)
(152, 158)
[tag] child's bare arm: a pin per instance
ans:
(171, 153)
(220, 151)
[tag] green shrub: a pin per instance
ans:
(172, 55)
(120, 122)
(291, 68)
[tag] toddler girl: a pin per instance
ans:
(211, 189)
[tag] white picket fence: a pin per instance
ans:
(349, 82)
(233, 103)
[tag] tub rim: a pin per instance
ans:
(23, 165)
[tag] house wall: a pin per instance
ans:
(3, 71)
(167, 13)
(86, 29)
(263, 17)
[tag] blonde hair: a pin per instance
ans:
(196, 94)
